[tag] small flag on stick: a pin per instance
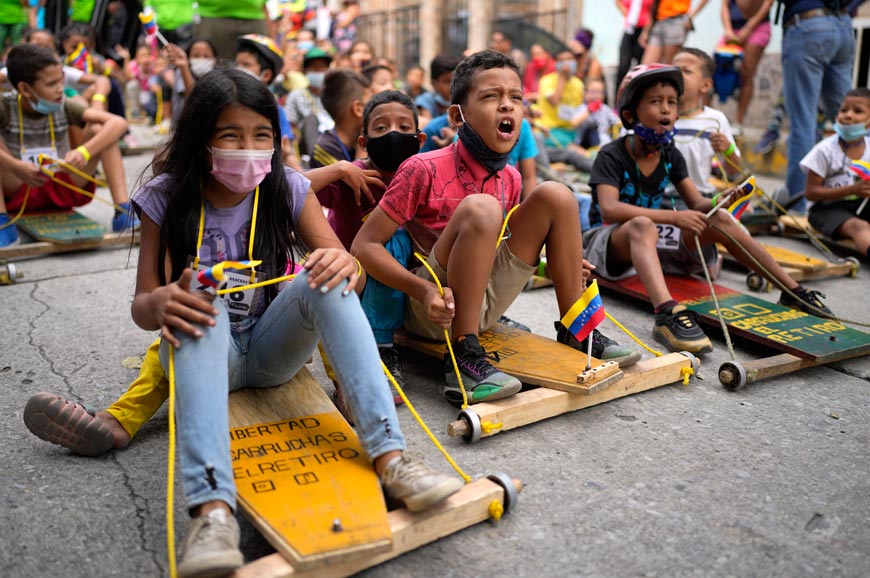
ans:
(861, 169)
(149, 24)
(214, 275)
(586, 314)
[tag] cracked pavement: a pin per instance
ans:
(773, 480)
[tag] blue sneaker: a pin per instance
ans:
(8, 232)
(126, 219)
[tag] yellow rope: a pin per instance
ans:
(20, 211)
(72, 169)
(255, 285)
(424, 427)
(490, 426)
(632, 335)
(686, 373)
(496, 510)
(446, 334)
(501, 236)
(158, 116)
(170, 470)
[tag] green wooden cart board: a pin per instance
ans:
(783, 328)
(63, 227)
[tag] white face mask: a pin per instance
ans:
(246, 71)
(315, 79)
(241, 170)
(199, 67)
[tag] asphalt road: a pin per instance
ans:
(679, 481)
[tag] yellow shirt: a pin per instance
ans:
(559, 116)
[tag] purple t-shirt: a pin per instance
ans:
(225, 235)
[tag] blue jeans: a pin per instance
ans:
(384, 306)
(270, 353)
(817, 57)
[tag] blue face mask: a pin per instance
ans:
(441, 101)
(653, 137)
(850, 132)
(305, 45)
(47, 107)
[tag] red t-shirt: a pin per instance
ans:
(345, 216)
(428, 187)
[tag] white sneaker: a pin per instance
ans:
(211, 548)
(737, 129)
(416, 485)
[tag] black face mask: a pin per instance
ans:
(490, 159)
(389, 151)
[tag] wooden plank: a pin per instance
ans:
(60, 227)
(534, 405)
(796, 225)
(531, 358)
(122, 240)
(769, 324)
(301, 474)
(410, 530)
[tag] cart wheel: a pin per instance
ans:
(732, 375)
(696, 364)
(473, 422)
(856, 266)
(754, 281)
(510, 491)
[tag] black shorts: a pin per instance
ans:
(828, 216)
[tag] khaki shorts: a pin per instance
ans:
(669, 32)
(509, 276)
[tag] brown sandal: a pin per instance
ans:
(67, 424)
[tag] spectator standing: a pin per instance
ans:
(13, 19)
(222, 22)
(636, 14)
(818, 49)
(664, 33)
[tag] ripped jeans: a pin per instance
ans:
(268, 354)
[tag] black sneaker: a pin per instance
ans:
(678, 329)
(807, 301)
(508, 322)
(603, 347)
(390, 357)
(482, 381)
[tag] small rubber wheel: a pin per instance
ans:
(856, 266)
(755, 282)
(696, 363)
(732, 375)
(473, 422)
(510, 491)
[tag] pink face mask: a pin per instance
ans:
(241, 170)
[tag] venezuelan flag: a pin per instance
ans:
(861, 169)
(212, 276)
(586, 314)
(149, 21)
(739, 206)
(81, 59)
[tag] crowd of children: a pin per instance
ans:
(288, 145)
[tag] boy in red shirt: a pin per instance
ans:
(452, 203)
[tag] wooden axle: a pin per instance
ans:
(734, 375)
(410, 530)
(537, 404)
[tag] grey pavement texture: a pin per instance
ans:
(679, 481)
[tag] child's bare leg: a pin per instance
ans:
(859, 231)
(635, 242)
(549, 215)
(113, 165)
(742, 244)
(466, 249)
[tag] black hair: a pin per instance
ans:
(265, 63)
(468, 66)
(442, 64)
(369, 71)
(183, 162)
(77, 29)
(708, 66)
(204, 41)
(341, 87)
(861, 92)
(504, 35)
(25, 61)
(384, 97)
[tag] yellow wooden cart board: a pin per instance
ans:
(302, 476)
(530, 358)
